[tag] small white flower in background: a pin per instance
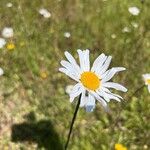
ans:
(134, 24)
(2, 42)
(7, 32)
(146, 78)
(45, 13)
(1, 71)
(69, 89)
(113, 36)
(9, 5)
(134, 11)
(67, 34)
(93, 84)
(126, 30)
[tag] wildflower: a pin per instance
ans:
(9, 5)
(120, 147)
(69, 89)
(43, 75)
(10, 46)
(134, 11)
(126, 30)
(1, 71)
(134, 24)
(7, 32)
(67, 34)
(92, 83)
(113, 36)
(45, 13)
(146, 78)
(2, 42)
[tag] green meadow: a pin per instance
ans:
(35, 112)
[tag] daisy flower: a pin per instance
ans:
(134, 11)
(126, 30)
(2, 42)
(9, 5)
(7, 32)
(45, 13)
(67, 34)
(113, 36)
(146, 78)
(1, 71)
(93, 84)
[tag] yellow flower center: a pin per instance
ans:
(90, 80)
(148, 81)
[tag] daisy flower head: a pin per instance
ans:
(1, 71)
(7, 32)
(146, 78)
(134, 11)
(126, 30)
(9, 5)
(92, 83)
(2, 42)
(67, 34)
(45, 13)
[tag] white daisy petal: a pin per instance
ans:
(83, 99)
(81, 59)
(76, 88)
(70, 67)
(102, 101)
(103, 94)
(105, 66)
(87, 60)
(149, 88)
(76, 91)
(84, 59)
(146, 75)
(110, 96)
(115, 86)
(72, 61)
(98, 62)
(110, 73)
(108, 91)
(90, 105)
(64, 70)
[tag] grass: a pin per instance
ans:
(27, 99)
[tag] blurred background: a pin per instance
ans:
(35, 112)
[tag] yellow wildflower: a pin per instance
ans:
(10, 46)
(120, 147)
(43, 75)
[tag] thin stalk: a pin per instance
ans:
(72, 122)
